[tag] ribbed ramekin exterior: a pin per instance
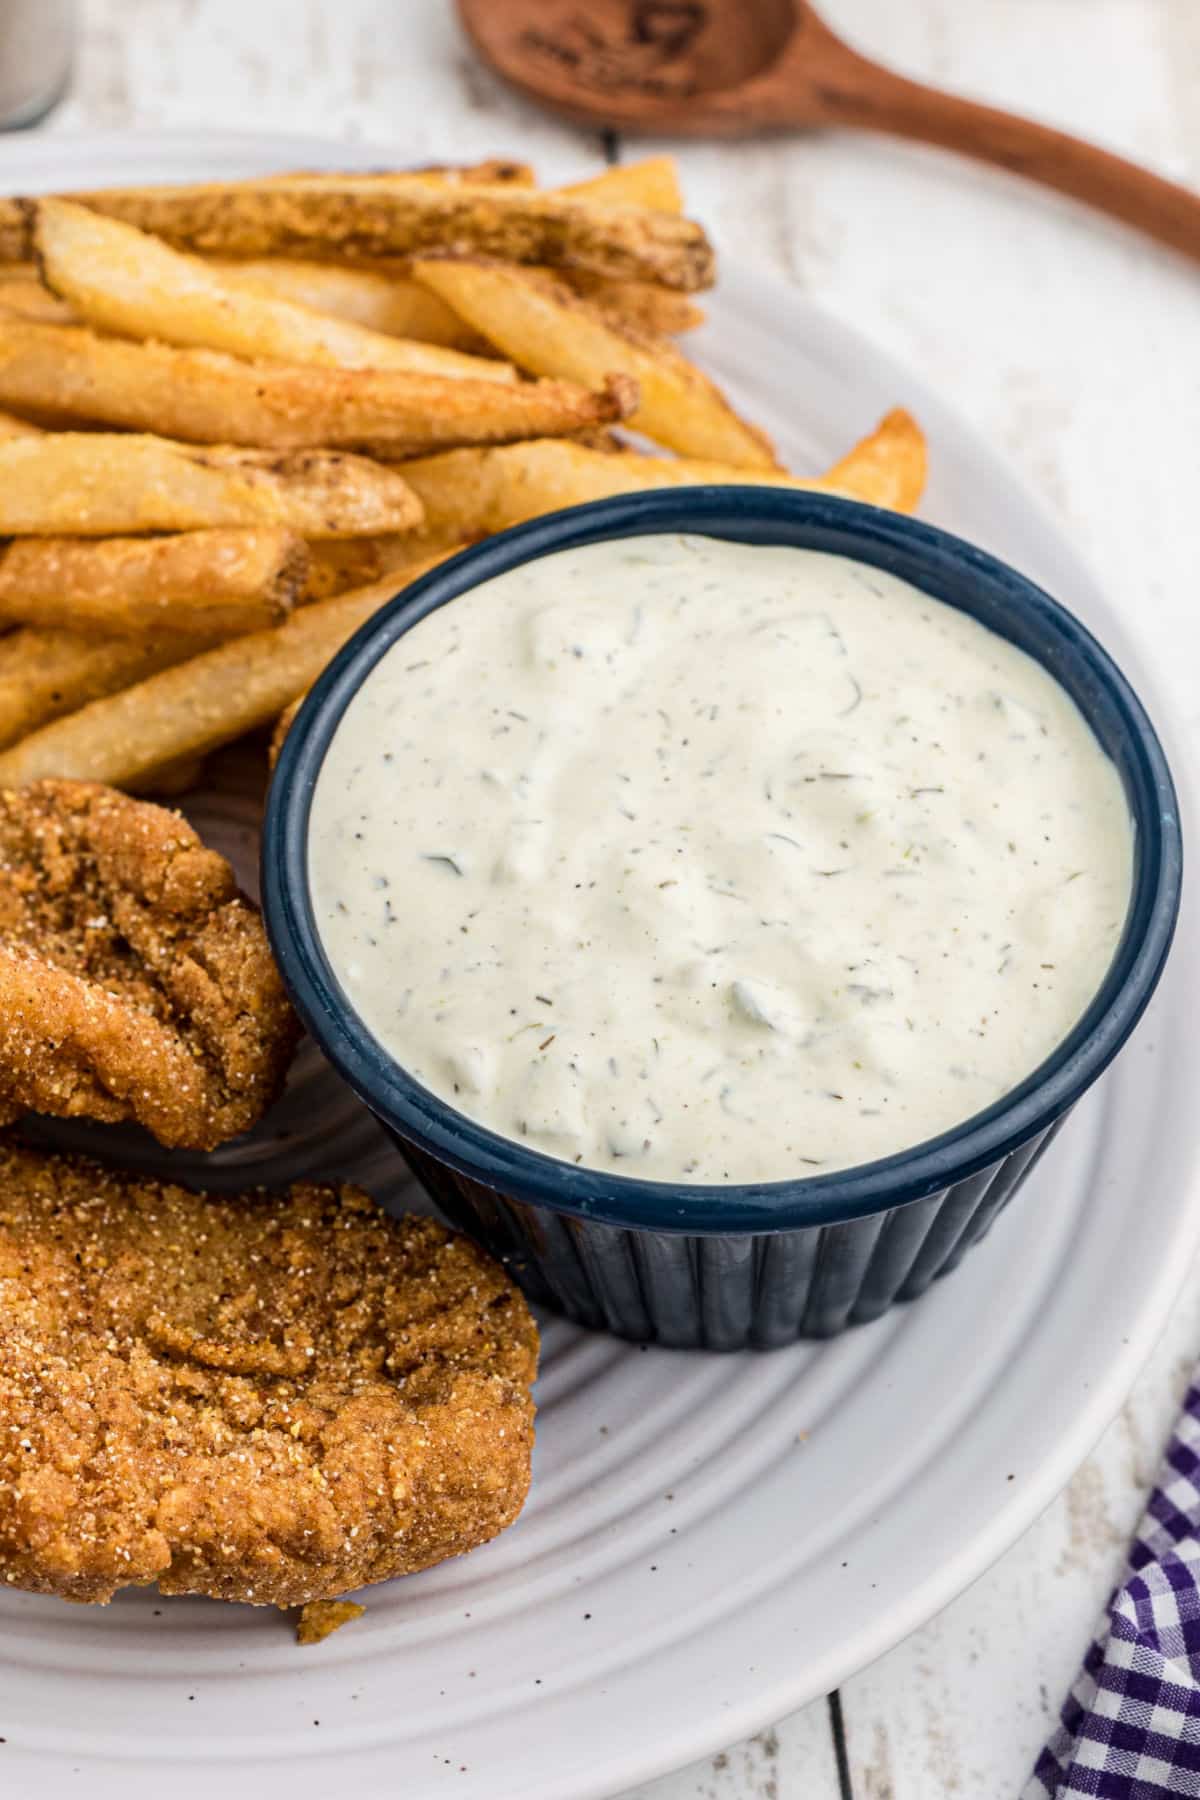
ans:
(716, 1292)
(761, 1265)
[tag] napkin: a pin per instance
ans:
(1130, 1726)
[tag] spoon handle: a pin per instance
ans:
(861, 93)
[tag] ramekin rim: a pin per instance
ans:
(510, 1167)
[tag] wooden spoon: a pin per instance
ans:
(731, 68)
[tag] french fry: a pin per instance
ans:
(549, 330)
(197, 705)
(358, 217)
(485, 173)
(122, 280)
(489, 172)
(207, 397)
(334, 567)
(339, 564)
(382, 295)
(642, 304)
(382, 301)
(45, 674)
(211, 583)
(653, 182)
(322, 493)
(22, 293)
(887, 468)
(468, 492)
(91, 484)
(12, 427)
(74, 484)
(283, 725)
(310, 381)
(603, 439)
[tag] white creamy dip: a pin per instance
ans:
(710, 863)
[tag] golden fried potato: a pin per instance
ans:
(207, 397)
(21, 292)
(380, 298)
(211, 583)
(209, 700)
(122, 280)
(474, 491)
(491, 171)
(283, 725)
(549, 330)
(93, 484)
(642, 304)
(46, 673)
(322, 493)
(653, 181)
(13, 427)
(358, 216)
(886, 468)
(338, 565)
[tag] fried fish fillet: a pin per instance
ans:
(136, 983)
(265, 1398)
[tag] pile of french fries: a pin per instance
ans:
(237, 418)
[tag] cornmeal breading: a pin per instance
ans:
(136, 983)
(265, 1398)
(321, 1618)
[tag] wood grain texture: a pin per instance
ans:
(1074, 346)
(739, 68)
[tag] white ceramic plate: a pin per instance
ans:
(710, 1541)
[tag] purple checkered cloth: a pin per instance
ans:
(1130, 1727)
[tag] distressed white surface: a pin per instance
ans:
(1075, 345)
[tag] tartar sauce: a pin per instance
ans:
(709, 863)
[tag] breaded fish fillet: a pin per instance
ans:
(267, 1398)
(136, 983)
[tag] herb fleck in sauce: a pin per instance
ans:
(828, 862)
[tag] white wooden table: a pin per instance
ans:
(1076, 347)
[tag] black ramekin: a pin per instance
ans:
(760, 1265)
